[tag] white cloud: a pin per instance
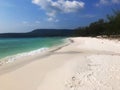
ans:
(53, 8)
(72, 6)
(108, 2)
(52, 19)
(51, 14)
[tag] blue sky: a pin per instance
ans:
(26, 15)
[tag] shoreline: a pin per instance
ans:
(27, 46)
(12, 58)
(79, 65)
(9, 61)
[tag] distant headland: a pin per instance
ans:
(40, 33)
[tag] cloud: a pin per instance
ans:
(108, 2)
(51, 19)
(53, 7)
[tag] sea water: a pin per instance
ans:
(13, 46)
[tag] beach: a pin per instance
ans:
(83, 64)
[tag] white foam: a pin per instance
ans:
(10, 59)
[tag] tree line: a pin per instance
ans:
(108, 27)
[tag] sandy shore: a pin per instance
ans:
(85, 64)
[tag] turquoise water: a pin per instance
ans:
(14, 46)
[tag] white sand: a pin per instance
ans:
(86, 64)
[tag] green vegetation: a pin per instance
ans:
(110, 27)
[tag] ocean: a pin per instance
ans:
(13, 46)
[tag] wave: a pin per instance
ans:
(12, 58)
